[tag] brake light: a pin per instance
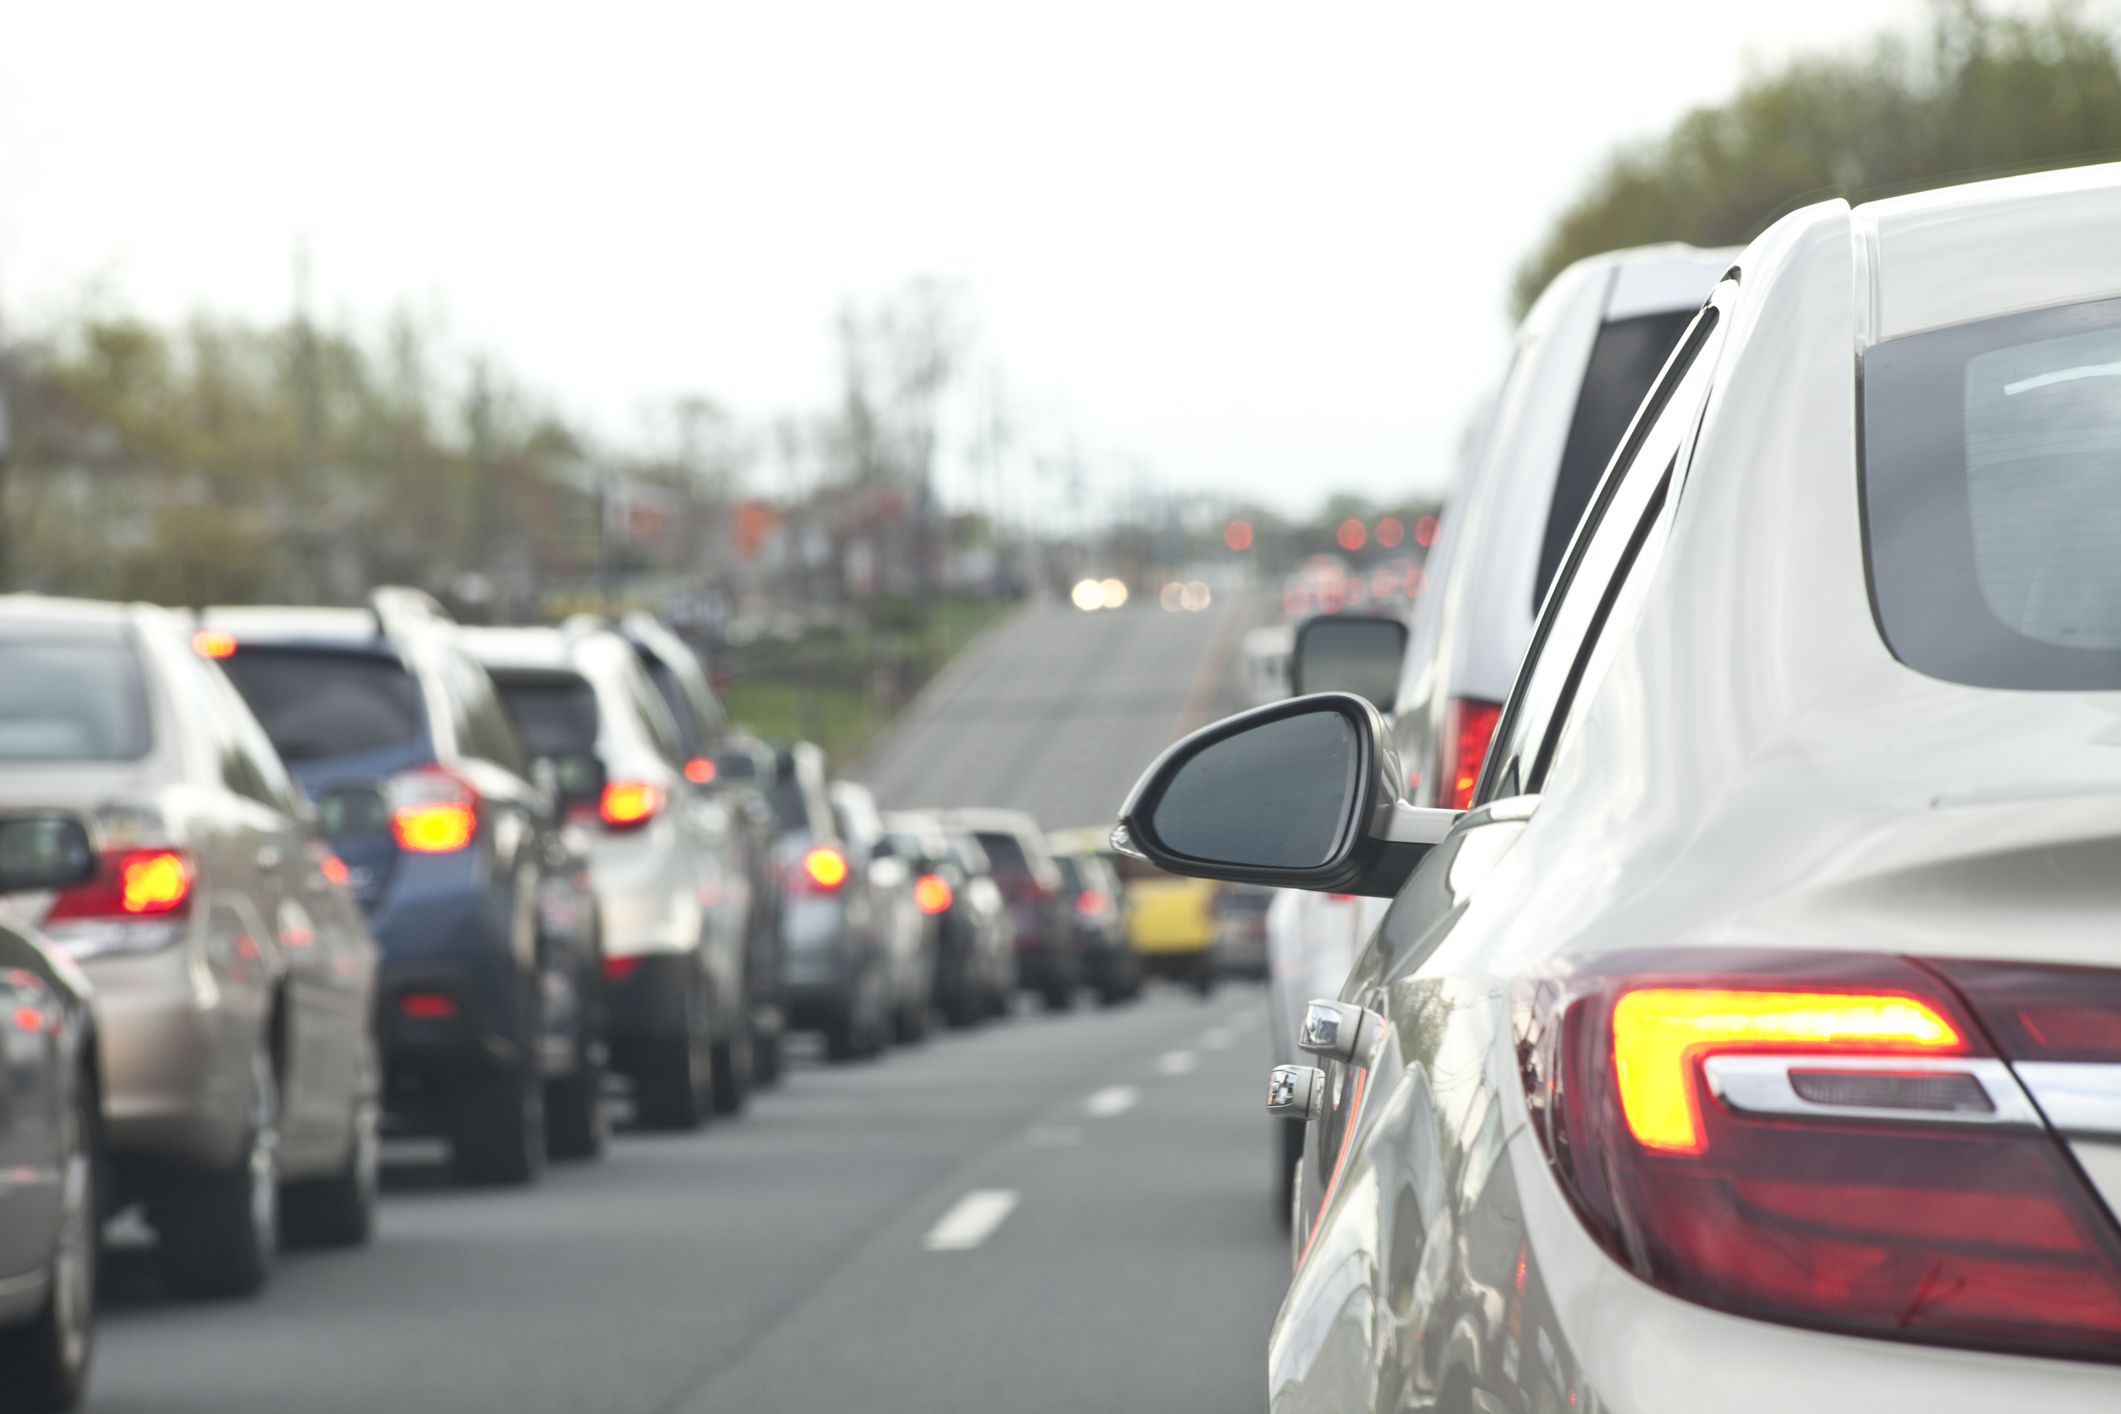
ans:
(132, 883)
(334, 869)
(700, 771)
(1468, 729)
(618, 969)
(1092, 903)
(932, 892)
(1660, 1035)
(627, 805)
(211, 643)
(427, 1006)
(822, 871)
(433, 811)
(1820, 1138)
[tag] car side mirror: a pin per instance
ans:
(576, 780)
(44, 852)
(1299, 794)
(1356, 653)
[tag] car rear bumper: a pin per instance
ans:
(450, 998)
(175, 1060)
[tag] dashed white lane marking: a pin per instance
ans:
(1215, 1039)
(1177, 1063)
(971, 1220)
(1112, 1100)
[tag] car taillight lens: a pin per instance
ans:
(433, 811)
(132, 883)
(627, 805)
(1825, 1139)
(700, 770)
(1468, 728)
(1092, 903)
(932, 892)
(821, 871)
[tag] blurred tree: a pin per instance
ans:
(1977, 93)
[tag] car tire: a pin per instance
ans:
(911, 1024)
(1058, 998)
(767, 1061)
(219, 1233)
(735, 1063)
(340, 1211)
(44, 1362)
(575, 1125)
(674, 1088)
(497, 1128)
(1204, 980)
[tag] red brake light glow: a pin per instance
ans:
(618, 969)
(932, 892)
(334, 869)
(133, 883)
(1093, 903)
(212, 643)
(1468, 728)
(626, 804)
(700, 771)
(1660, 1035)
(427, 1006)
(825, 868)
(433, 811)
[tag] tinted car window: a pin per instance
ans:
(1992, 498)
(1624, 362)
(1071, 875)
(486, 731)
(790, 805)
(557, 716)
(1005, 853)
(72, 697)
(316, 705)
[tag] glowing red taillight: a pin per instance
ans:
(933, 893)
(627, 805)
(1826, 1139)
(822, 870)
(427, 1006)
(433, 811)
(618, 969)
(132, 883)
(700, 770)
(1093, 903)
(1468, 728)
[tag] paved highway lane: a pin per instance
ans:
(1057, 711)
(1057, 1212)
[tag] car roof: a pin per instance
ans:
(1990, 248)
(1015, 822)
(45, 608)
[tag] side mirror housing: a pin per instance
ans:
(44, 852)
(1299, 794)
(1356, 653)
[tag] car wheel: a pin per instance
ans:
(497, 1128)
(733, 1063)
(1058, 998)
(912, 1023)
(766, 1060)
(44, 1362)
(1204, 979)
(219, 1233)
(340, 1211)
(575, 1125)
(674, 1087)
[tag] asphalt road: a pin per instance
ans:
(1052, 1213)
(1057, 711)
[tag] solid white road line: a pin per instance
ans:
(1177, 1063)
(1112, 1100)
(971, 1220)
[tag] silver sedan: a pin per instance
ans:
(1754, 1041)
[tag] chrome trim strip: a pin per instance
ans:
(1752, 1084)
(2078, 1097)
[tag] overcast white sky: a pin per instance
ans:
(1262, 247)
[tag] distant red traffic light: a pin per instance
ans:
(1353, 535)
(1238, 535)
(1390, 533)
(1425, 532)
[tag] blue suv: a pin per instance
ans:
(491, 985)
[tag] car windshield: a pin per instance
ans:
(557, 714)
(71, 696)
(1624, 362)
(682, 709)
(1992, 497)
(316, 705)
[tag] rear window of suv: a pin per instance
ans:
(1005, 853)
(1992, 498)
(556, 713)
(315, 705)
(71, 695)
(1624, 362)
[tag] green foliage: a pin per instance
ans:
(1976, 94)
